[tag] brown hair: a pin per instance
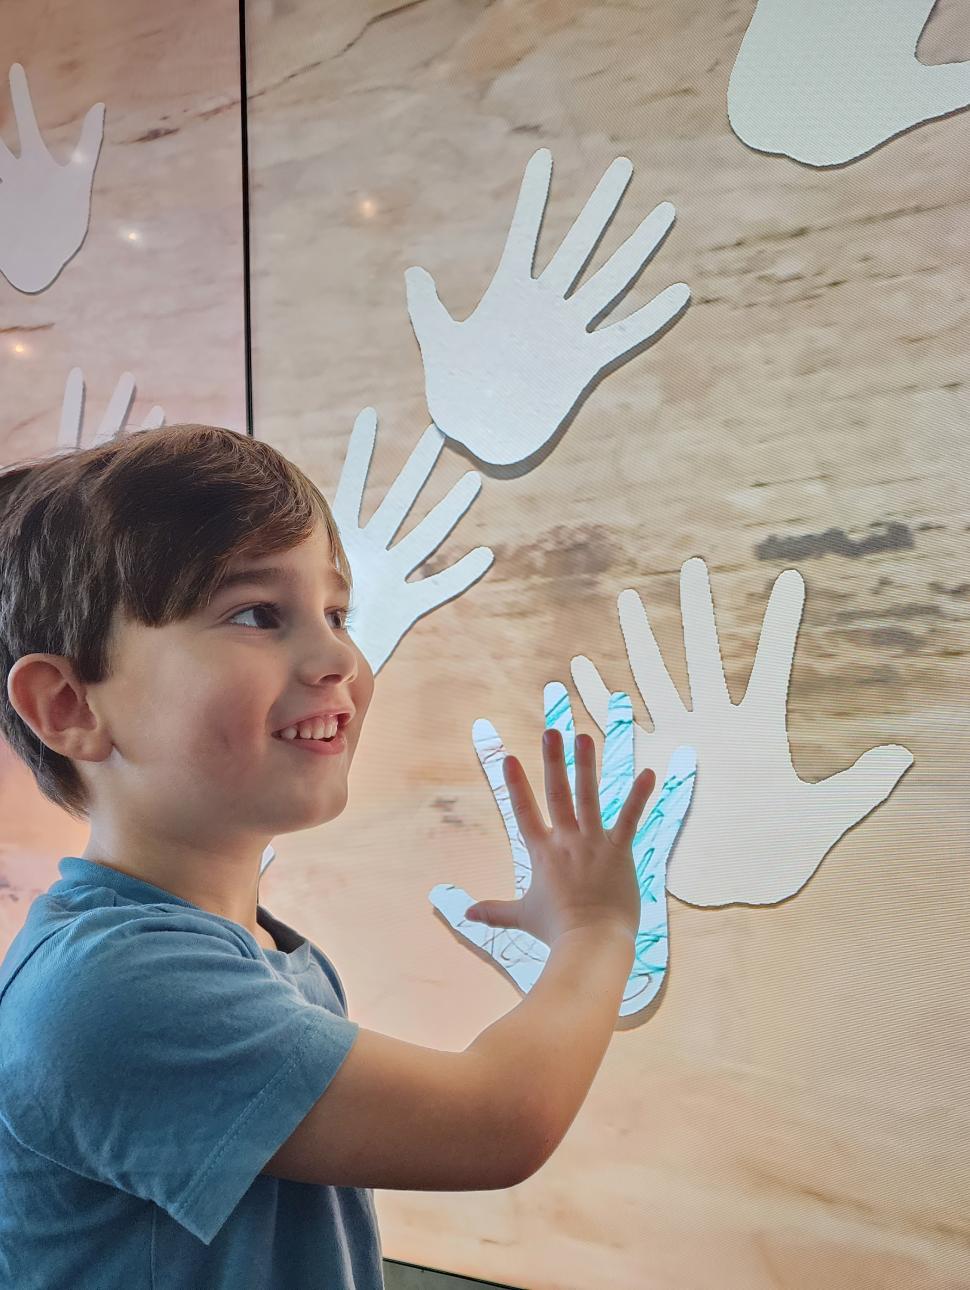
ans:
(146, 524)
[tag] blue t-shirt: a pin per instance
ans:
(153, 1057)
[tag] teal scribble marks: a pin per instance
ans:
(652, 845)
(521, 955)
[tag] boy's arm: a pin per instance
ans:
(400, 1116)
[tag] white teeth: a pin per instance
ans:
(322, 728)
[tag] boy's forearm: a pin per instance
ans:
(543, 1055)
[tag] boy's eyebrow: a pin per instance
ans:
(266, 575)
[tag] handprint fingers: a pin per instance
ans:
(584, 236)
(620, 338)
(945, 88)
(429, 317)
(92, 133)
(155, 418)
(657, 833)
(771, 670)
(519, 251)
(72, 410)
(353, 476)
(660, 696)
(502, 381)
(595, 296)
(618, 773)
(708, 688)
(113, 421)
(491, 754)
(446, 584)
(652, 845)
(28, 130)
(592, 690)
(851, 794)
(399, 498)
(429, 534)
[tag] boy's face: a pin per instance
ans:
(192, 708)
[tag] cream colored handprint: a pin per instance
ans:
(756, 832)
(44, 206)
(825, 81)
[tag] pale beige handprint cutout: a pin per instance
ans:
(45, 206)
(756, 832)
(826, 81)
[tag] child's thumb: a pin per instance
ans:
(496, 913)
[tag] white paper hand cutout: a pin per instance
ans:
(503, 381)
(386, 604)
(44, 206)
(114, 423)
(756, 832)
(824, 81)
(521, 955)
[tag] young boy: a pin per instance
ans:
(183, 1100)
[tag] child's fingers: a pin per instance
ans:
(627, 821)
(532, 827)
(559, 796)
(587, 795)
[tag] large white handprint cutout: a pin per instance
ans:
(503, 381)
(825, 81)
(756, 832)
(44, 206)
(386, 604)
(523, 956)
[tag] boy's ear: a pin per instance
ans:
(46, 694)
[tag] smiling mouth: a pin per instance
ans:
(322, 747)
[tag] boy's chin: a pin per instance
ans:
(333, 804)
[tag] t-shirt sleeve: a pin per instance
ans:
(172, 1064)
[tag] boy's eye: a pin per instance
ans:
(343, 615)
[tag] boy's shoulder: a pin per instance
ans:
(85, 945)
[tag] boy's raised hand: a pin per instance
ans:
(521, 953)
